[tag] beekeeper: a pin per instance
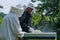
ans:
(26, 17)
(11, 29)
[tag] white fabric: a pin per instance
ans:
(18, 11)
(24, 6)
(34, 31)
(31, 5)
(11, 28)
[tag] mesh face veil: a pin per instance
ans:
(17, 11)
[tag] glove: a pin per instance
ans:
(31, 29)
(22, 34)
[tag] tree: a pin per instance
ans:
(47, 8)
(1, 17)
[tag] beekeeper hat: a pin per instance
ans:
(31, 6)
(17, 10)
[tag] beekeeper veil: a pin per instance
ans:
(17, 11)
(31, 6)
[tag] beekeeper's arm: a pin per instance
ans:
(16, 28)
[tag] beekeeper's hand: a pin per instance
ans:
(34, 31)
(22, 34)
(31, 30)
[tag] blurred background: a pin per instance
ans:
(46, 18)
(47, 15)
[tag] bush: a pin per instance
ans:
(35, 19)
(1, 19)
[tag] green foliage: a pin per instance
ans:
(2, 14)
(1, 19)
(50, 14)
(35, 19)
(47, 18)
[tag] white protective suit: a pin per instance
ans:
(11, 28)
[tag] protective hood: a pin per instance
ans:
(17, 11)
